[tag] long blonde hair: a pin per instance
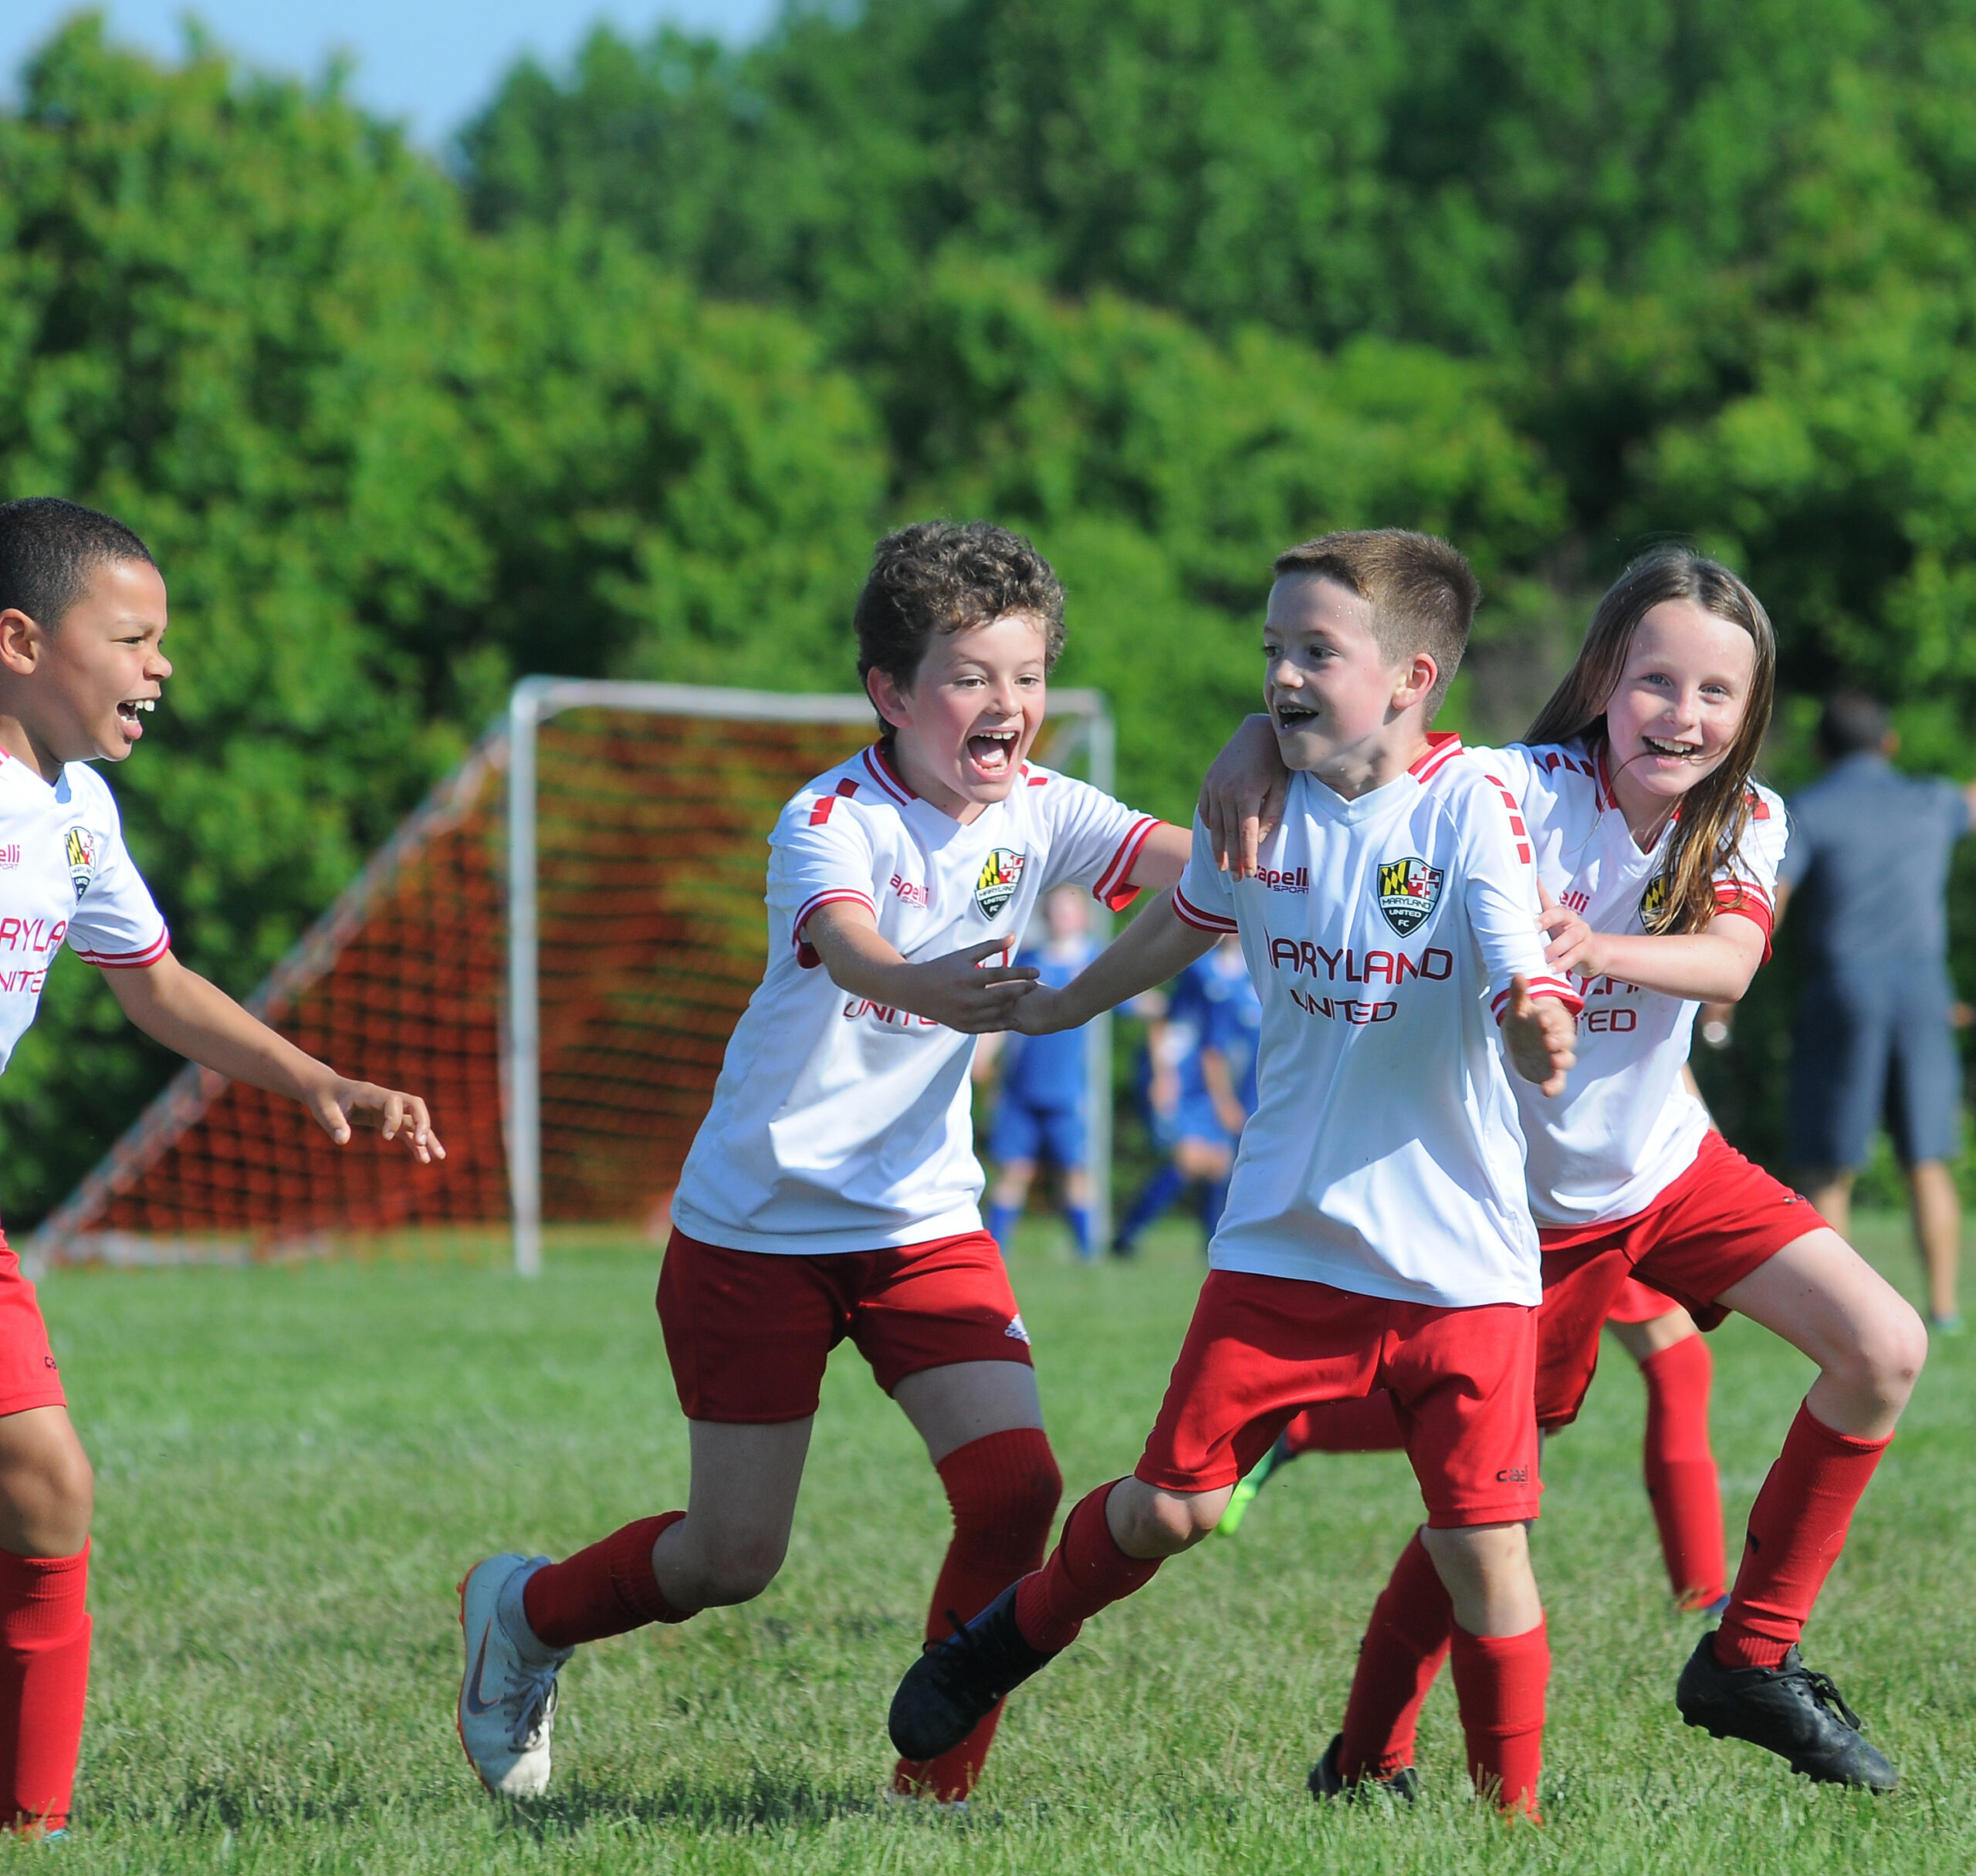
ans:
(1713, 814)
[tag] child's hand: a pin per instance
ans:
(1242, 797)
(957, 990)
(1540, 1035)
(337, 1105)
(1573, 944)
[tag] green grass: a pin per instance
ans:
(297, 1463)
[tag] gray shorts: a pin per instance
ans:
(1874, 1045)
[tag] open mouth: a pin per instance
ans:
(1295, 716)
(1670, 752)
(131, 708)
(993, 752)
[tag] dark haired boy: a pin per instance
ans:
(832, 1190)
(1376, 1232)
(83, 618)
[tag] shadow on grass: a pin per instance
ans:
(768, 1800)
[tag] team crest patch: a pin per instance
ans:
(1001, 872)
(80, 849)
(1653, 901)
(1408, 891)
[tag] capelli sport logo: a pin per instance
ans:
(79, 848)
(1653, 901)
(1001, 872)
(1409, 890)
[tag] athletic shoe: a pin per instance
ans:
(1246, 1489)
(1944, 1325)
(1787, 1710)
(956, 1684)
(507, 1705)
(1327, 1782)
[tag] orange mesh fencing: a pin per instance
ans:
(650, 840)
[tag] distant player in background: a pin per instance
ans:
(831, 1192)
(1868, 869)
(83, 618)
(1040, 1106)
(1199, 1088)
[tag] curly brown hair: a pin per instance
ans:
(944, 576)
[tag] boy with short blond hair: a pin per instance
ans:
(1376, 1231)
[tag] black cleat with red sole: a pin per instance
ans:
(1788, 1710)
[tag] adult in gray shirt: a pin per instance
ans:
(1866, 871)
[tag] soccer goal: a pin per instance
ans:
(554, 949)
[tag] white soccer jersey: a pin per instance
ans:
(840, 1124)
(65, 874)
(1384, 1155)
(1626, 1128)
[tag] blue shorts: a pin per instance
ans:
(1195, 1118)
(1872, 1046)
(1021, 1132)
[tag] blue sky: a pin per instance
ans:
(430, 62)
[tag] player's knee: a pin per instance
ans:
(47, 1501)
(1014, 1508)
(739, 1569)
(1882, 1353)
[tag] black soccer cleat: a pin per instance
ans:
(957, 1683)
(1327, 1782)
(1788, 1710)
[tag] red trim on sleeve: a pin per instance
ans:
(128, 960)
(1443, 747)
(806, 955)
(1192, 914)
(821, 812)
(1112, 891)
(1557, 988)
(1747, 900)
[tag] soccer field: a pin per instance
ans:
(296, 1464)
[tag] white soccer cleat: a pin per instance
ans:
(507, 1704)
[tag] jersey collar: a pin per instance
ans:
(1443, 747)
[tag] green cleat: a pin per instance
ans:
(1246, 1488)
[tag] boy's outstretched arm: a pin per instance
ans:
(198, 1019)
(1156, 945)
(960, 989)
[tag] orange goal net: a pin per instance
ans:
(553, 949)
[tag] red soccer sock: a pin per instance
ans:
(1798, 1528)
(1003, 1489)
(1405, 1643)
(1086, 1572)
(44, 1679)
(1366, 1425)
(1499, 1681)
(606, 1590)
(1681, 1481)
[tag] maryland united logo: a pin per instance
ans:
(1408, 891)
(1000, 872)
(1653, 901)
(80, 849)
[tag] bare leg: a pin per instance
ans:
(47, 1490)
(967, 1401)
(1486, 1568)
(1831, 1194)
(739, 1508)
(1011, 1186)
(1938, 1229)
(1829, 1303)
(1642, 1339)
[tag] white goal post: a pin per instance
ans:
(1077, 734)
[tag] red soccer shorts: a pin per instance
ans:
(748, 1333)
(1634, 1303)
(1260, 1348)
(28, 1374)
(1703, 1234)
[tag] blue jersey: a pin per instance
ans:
(1048, 1071)
(1215, 1006)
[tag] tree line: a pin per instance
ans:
(627, 383)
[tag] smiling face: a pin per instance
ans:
(1342, 706)
(80, 693)
(1673, 715)
(966, 724)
